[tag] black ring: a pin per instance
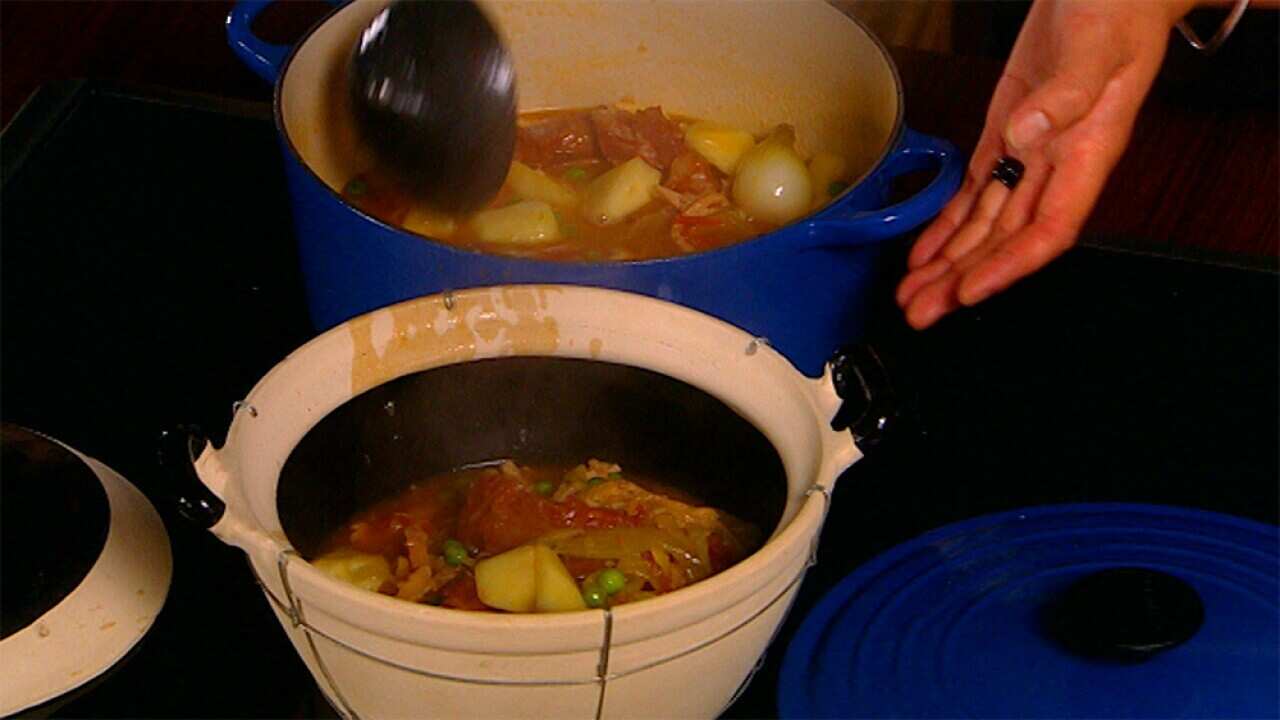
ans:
(1008, 171)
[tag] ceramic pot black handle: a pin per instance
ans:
(179, 449)
(870, 409)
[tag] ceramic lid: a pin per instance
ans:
(1058, 611)
(53, 508)
(86, 569)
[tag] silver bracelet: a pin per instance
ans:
(1219, 37)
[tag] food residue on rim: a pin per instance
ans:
(507, 321)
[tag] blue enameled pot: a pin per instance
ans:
(805, 287)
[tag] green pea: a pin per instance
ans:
(575, 173)
(356, 188)
(455, 553)
(611, 580)
(595, 481)
(836, 187)
(594, 595)
(543, 487)
(615, 476)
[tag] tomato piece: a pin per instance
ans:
(501, 513)
(495, 515)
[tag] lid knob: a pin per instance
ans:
(1124, 613)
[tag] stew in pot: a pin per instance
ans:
(615, 184)
(535, 539)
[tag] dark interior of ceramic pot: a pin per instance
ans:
(534, 410)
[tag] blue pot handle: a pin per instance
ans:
(260, 56)
(917, 151)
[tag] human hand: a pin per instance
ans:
(1065, 107)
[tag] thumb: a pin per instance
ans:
(1069, 93)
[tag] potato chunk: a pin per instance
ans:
(530, 222)
(360, 569)
(557, 592)
(721, 145)
(530, 184)
(621, 191)
(825, 169)
(527, 579)
(509, 581)
(431, 223)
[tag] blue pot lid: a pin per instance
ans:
(965, 621)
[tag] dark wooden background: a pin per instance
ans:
(1202, 174)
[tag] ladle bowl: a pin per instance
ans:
(433, 94)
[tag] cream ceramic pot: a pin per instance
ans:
(684, 654)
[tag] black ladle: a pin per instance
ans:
(433, 93)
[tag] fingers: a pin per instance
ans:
(919, 278)
(1059, 212)
(933, 300)
(928, 290)
(932, 290)
(1021, 205)
(990, 147)
(940, 230)
(960, 209)
(984, 215)
(989, 217)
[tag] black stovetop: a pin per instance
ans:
(149, 279)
